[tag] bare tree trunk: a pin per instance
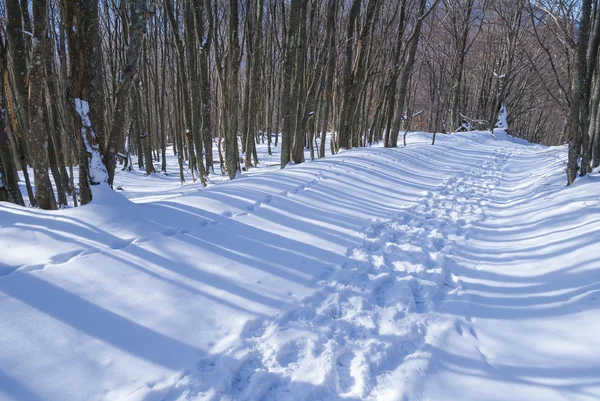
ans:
(594, 126)
(596, 141)
(576, 124)
(462, 25)
(587, 139)
(18, 53)
(232, 155)
(94, 93)
(297, 96)
(195, 110)
(331, 58)
(344, 136)
(38, 137)
(205, 39)
(287, 105)
(405, 74)
(137, 30)
(9, 173)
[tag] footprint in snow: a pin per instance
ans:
(288, 353)
(473, 333)
(254, 329)
(206, 365)
(342, 365)
(248, 368)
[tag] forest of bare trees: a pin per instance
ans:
(90, 85)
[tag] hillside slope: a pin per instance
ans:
(460, 271)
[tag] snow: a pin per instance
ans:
(461, 271)
(502, 122)
(98, 173)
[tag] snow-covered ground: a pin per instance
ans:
(460, 271)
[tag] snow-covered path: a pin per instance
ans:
(526, 311)
(461, 271)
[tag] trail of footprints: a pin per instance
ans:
(121, 244)
(372, 313)
(118, 244)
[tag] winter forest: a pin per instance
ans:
(97, 84)
(299, 200)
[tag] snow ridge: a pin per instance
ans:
(364, 335)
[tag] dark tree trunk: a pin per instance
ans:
(331, 62)
(344, 134)
(18, 52)
(287, 106)
(405, 75)
(137, 31)
(38, 137)
(195, 111)
(205, 39)
(575, 122)
(232, 157)
(10, 183)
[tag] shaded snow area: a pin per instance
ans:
(460, 271)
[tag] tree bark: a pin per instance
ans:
(344, 135)
(405, 74)
(38, 137)
(331, 62)
(232, 156)
(137, 31)
(576, 123)
(18, 53)
(205, 38)
(287, 105)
